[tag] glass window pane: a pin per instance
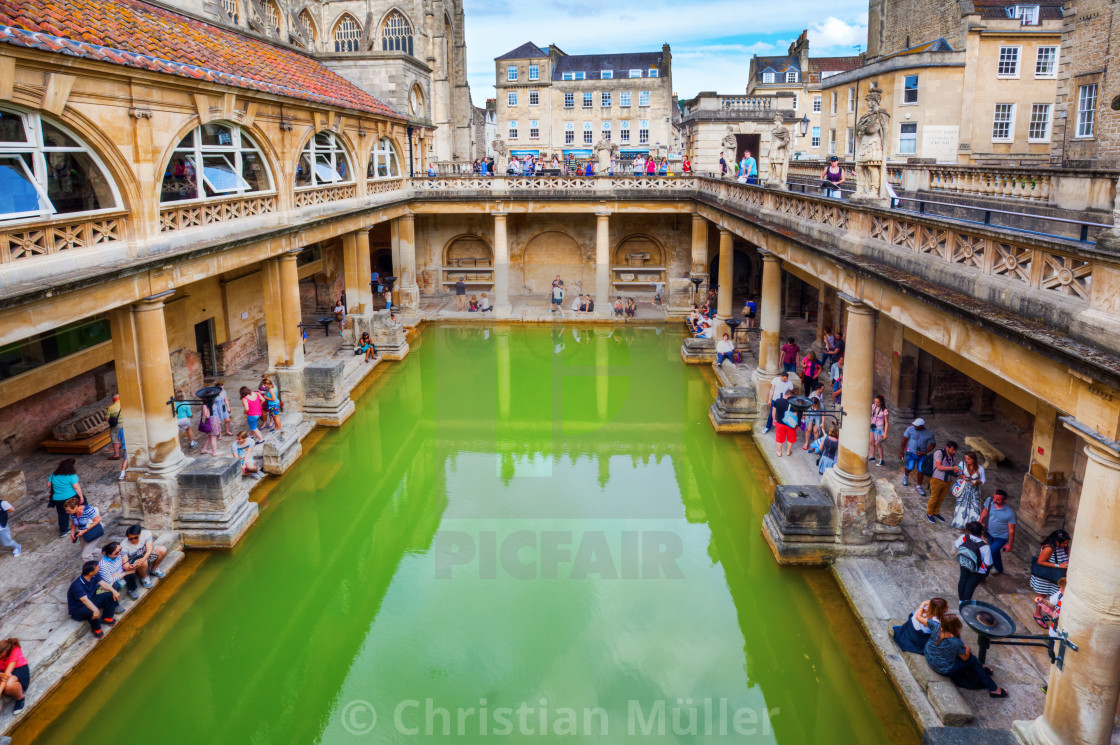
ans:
(254, 172)
(220, 176)
(76, 184)
(179, 180)
(187, 143)
(324, 174)
(18, 194)
(216, 135)
(323, 141)
(303, 172)
(55, 137)
(11, 128)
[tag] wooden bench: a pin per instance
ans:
(83, 446)
(943, 696)
(990, 455)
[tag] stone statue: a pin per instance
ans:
(779, 154)
(604, 149)
(730, 149)
(501, 156)
(871, 149)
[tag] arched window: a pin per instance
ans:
(396, 34)
(214, 161)
(383, 160)
(231, 9)
(271, 17)
(308, 27)
(347, 34)
(323, 161)
(46, 170)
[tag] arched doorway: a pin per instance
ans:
(552, 253)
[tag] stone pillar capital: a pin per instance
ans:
(1098, 447)
(500, 214)
(767, 256)
(601, 215)
(152, 302)
(723, 231)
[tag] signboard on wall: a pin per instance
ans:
(939, 141)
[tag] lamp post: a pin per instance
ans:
(804, 124)
(801, 404)
(696, 282)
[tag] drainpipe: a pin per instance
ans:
(411, 172)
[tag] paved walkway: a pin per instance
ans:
(536, 308)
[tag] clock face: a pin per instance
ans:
(415, 102)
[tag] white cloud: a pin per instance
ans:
(834, 37)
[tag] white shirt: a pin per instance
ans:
(485, 303)
(979, 472)
(706, 332)
(778, 388)
(724, 346)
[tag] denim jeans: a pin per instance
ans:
(997, 545)
(104, 602)
(721, 356)
(789, 367)
(6, 538)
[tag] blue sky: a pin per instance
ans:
(712, 40)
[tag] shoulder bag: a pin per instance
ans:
(1043, 572)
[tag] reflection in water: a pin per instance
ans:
(521, 531)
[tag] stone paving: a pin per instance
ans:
(538, 308)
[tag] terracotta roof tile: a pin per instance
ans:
(133, 33)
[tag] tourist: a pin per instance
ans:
(724, 350)
(590, 307)
(975, 558)
(577, 304)
(632, 309)
(659, 293)
(460, 294)
(85, 522)
(810, 371)
(86, 602)
(618, 307)
(832, 177)
(15, 673)
(111, 569)
(557, 295)
(748, 169)
(113, 418)
(686, 166)
(663, 167)
(365, 346)
(241, 450)
(1051, 563)
(141, 555)
(387, 296)
(693, 320)
(778, 388)
(722, 166)
(750, 312)
(484, 304)
(1047, 609)
(880, 424)
(253, 402)
(951, 657)
(589, 169)
(836, 375)
(913, 635)
(64, 485)
(221, 409)
(651, 167)
(829, 343)
(483, 168)
(998, 519)
(124, 459)
(272, 404)
(375, 282)
(705, 329)
(812, 421)
(944, 469)
(917, 443)
(790, 350)
(183, 418)
(472, 305)
(785, 421)
(970, 477)
(340, 315)
(829, 449)
(6, 541)
(431, 170)
(211, 426)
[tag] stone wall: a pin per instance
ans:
(899, 24)
(1090, 38)
(239, 352)
(27, 423)
(950, 389)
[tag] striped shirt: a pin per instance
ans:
(110, 570)
(87, 516)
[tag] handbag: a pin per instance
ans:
(925, 465)
(790, 418)
(958, 487)
(204, 425)
(1050, 574)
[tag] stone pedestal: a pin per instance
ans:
(327, 401)
(799, 526)
(408, 297)
(854, 498)
(283, 448)
(871, 200)
(388, 336)
(698, 351)
(735, 409)
(290, 382)
(679, 298)
(214, 508)
(1042, 508)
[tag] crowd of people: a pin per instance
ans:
(640, 164)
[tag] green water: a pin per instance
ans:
(578, 553)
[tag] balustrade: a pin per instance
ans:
(43, 239)
(195, 214)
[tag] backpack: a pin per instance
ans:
(968, 554)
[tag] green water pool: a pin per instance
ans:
(523, 534)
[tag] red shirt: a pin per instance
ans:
(16, 655)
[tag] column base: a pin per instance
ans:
(761, 380)
(389, 336)
(409, 296)
(503, 310)
(1033, 732)
(282, 449)
(698, 351)
(290, 382)
(327, 401)
(854, 499)
(734, 410)
(214, 510)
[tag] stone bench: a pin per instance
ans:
(945, 698)
(698, 351)
(990, 455)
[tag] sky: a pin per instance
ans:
(712, 41)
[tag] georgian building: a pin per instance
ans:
(552, 103)
(409, 53)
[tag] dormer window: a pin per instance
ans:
(606, 74)
(767, 77)
(653, 72)
(791, 76)
(1027, 14)
(635, 73)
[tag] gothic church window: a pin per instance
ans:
(347, 34)
(396, 34)
(308, 27)
(230, 7)
(271, 17)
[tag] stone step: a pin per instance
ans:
(53, 642)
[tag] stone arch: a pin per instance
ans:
(346, 34)
(396, 32)
(281, 185)
(307, 21)
(467, 251)
(639, 243)
(553, 252)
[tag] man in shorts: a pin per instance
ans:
(785, 433)
(142, 555)
(558, 296)
(779, 386)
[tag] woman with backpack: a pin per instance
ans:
(975, 558)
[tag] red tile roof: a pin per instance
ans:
(833, 64)
(133, 33)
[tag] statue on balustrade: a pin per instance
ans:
(730, 148)
(779, 154)
(871, 150)
(604, 150)
(501, 156)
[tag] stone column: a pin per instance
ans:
(282, 317)
(146, 385)
(726, 273)
(603, 262)
(292, 310)
(770, 320)
(849, 481)
(502, 305)
(357, 270)
(924, 383)
(1081, 697)
(408, 292)
(699, 247)
(1042, 502)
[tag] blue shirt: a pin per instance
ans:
(80, 588)
(751, 166)
(62, 487)
(942, 655)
